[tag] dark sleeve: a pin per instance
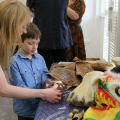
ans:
(30, 3)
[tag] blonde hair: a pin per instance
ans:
(12, 13)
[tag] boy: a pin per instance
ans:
(28, 70)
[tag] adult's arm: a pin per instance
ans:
(78, 11)
(6, 90)
(72, 14)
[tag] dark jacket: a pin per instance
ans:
(51, 19)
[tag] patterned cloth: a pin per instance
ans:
(60, 111)
(78, 48)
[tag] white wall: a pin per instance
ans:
(23, 1)
(91, 24)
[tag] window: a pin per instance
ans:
(110, 30)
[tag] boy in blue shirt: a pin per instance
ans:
(28, 70)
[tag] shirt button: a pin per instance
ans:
(34, 73)
(37, 84)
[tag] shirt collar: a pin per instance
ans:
(20, 54)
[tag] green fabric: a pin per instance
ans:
(89, 119)
(117, 116)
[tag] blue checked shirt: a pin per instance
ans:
(27, 73)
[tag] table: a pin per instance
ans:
(58, 111)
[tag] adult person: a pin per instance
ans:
(75, 11)
(51, 19)
(14, 16)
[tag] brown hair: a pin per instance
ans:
(32, 32)
(12, 13)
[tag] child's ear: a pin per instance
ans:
(94, 82)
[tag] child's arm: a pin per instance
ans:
(16, 76)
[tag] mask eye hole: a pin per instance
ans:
(117, 91)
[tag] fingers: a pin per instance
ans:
(57, 90)
(56, 100)
(33, 9)
(58, 94)
(52, 81)
(54, 95)
(57, 97)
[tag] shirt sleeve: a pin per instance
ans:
(45, 71)
(16, 78)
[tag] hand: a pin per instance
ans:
(52, 81)
(52, 95)
(33, 8)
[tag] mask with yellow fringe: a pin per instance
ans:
(107, 96)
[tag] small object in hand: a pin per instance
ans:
(57, 85)
(47, 84)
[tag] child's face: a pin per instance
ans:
(29, 46)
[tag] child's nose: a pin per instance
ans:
(34, 46)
